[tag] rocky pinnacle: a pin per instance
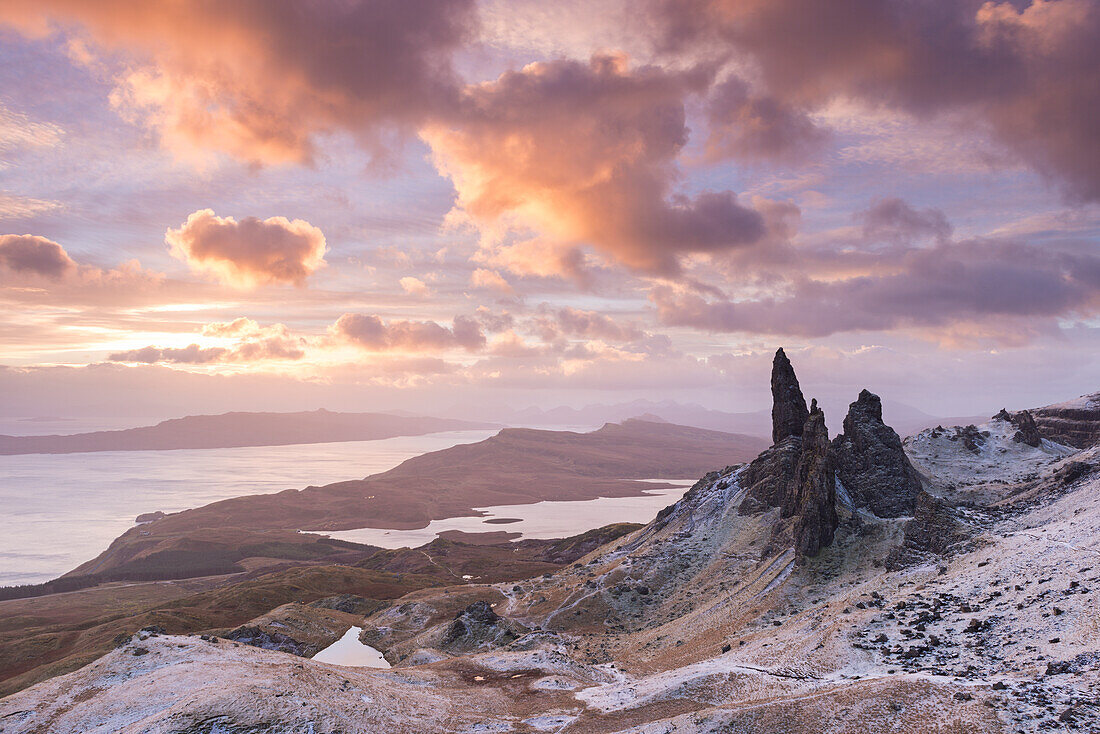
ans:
(789, 411)
(812, 491)
(870, 462)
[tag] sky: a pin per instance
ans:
(442, 205)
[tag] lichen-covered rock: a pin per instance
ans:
(871, 463)
(811, 494)
(789, 411)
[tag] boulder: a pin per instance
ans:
(933, 530)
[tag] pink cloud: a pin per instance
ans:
(1031, 71)
(371, 332)
(249, 252)
(33, 255)
(255, 343)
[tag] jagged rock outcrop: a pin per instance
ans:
(797, 473)
(870, 462)
(768, 475)
(811, 493)
(478, 626)
(789, 411)
(270, 640)
(933, 530)
(1028, 431)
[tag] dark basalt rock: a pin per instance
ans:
(788, 405)
(257, 637)
(933, 529)
(871, 463)
(768, 475)
(811, 494)
(479, 625)
(1028, 432)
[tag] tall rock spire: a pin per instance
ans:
(789, 411)
(811, 493)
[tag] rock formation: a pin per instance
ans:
(796, 474)
(767, 476)
(811, 493)
(870, 462)
(1073, 423)
(1028, 432)
(788, 405)
(933, 529)
(478, 626)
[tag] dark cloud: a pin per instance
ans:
(251, 251)
(371, 332)
(750, 126)
(1029, 70)
(949, 283)
(32, 255)
(894, 219)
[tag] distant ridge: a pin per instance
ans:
(230, 430)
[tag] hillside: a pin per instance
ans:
(230, 430)
(517, 466)
(857, 583)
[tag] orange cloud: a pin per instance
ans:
(250, 252)
(490, 280)
(584, 155)
(260, 80)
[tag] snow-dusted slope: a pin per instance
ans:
(704, 620)
(968, 456)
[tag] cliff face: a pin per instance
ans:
(871, 463)
(1073, 423)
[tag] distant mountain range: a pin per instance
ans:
(238, 429)
(904, 418)
(241, 429)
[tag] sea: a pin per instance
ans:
(60, 510)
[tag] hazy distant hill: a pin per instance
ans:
(240, 429)
(905, 419)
